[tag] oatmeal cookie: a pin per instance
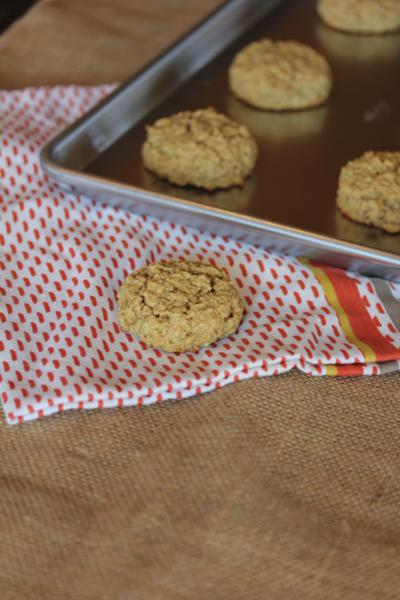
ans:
(203, 148)
(179, 306)
(361, 16)
(280, 75)
(369, 190)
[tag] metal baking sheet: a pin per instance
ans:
(288, 204)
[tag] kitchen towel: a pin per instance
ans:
(63, 258)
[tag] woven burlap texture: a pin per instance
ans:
(281, 488)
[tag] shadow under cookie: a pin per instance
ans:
(234, 199)
(358, 48)
(279, 126)
(365, 235)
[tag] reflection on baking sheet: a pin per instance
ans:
(350, 231)
(300, 153)
(235, 198)
(360, 48)
(278, 126)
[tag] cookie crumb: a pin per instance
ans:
(379, 111)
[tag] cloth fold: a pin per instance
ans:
(63, 258)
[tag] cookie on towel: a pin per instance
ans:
(179, 306)
(369, 190)
(203, 148)
(361, 16)
(280, 75)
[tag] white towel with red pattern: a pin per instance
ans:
(62, 261)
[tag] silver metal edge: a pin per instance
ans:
(331, 251)
(240, 13)
(189, 213)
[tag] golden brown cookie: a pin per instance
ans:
(202, 148)
(361, 16)
(179, 306)
(280, 75)
(369, 190)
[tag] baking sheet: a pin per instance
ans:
(288, 204)
(300, 152)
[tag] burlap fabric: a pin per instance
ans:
(282, 488)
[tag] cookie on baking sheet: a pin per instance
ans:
(361, 16)
(179, 306)
(280, 75)
(369, 190)
(203, 148)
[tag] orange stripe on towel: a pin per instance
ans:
(343, 295)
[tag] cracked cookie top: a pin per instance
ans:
(280, 75)
(369, 190)
(203, 148)
(179, 306)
